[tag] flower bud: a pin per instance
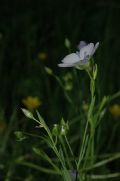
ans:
(55, 130)
(67, 43)
(48, 70)
(27, 113)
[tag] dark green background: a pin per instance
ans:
(28, 27)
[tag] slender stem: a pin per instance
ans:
(103, 162)
(114, 96)
(92, 126)
(90, 148)
(65, 93)
(37, 167)
(69, 145)
(70, 148)
(65, 151)
(106, 176)
(92, 145)
(83, 144)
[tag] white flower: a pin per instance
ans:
(81, 57)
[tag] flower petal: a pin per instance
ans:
(95, 47)
(81, 44)
(71, 58)
(65, 65)
(89, 48)
(86, 50)
(81, 57)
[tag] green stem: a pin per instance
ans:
(103, 162)
(41, 169)
(65, 151)
(70, 148)
(92, 144)
(106, 176)
(83, 145)
(90, 147)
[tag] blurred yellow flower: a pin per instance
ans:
(115, 110)
(31, 102)
(42, 56)
(85, 106)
